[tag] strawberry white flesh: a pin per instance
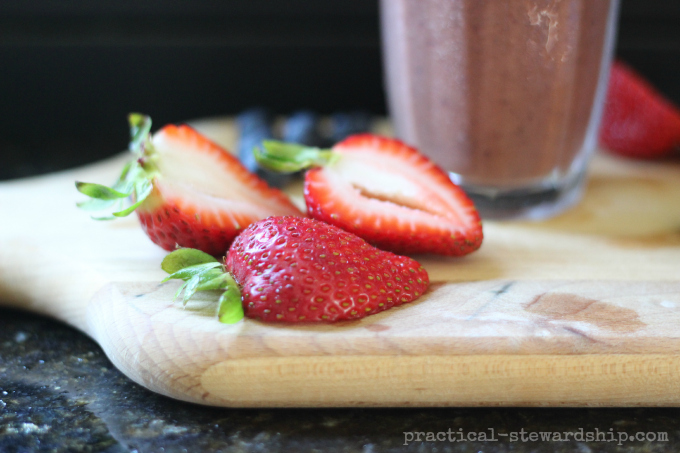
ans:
(395, 198)
(187, 160)
(186, 190)
(199, 176)
(203, 196)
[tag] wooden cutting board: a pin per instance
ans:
(583, 309)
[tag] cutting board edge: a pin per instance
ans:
(590, 380)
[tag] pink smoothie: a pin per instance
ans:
(502, 93)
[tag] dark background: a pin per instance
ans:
(70, 71)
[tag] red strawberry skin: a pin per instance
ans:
(393, 197)
(293, 269)
(637, 120)
(211, 204)
(169, 225)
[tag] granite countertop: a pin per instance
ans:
(59, 393)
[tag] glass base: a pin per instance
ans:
(536, 202)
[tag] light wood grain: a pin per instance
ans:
(583, 309)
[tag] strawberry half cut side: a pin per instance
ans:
(186, 190)
(293, 269)
(383, 191)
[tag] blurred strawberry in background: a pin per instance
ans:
(638, 120)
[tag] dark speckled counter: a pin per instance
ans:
(59, 393)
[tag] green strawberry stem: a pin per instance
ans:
(140, 128)
(230, 308)
(284, 157)
(202, 272)
(134, 181)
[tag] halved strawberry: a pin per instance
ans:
(383, 191)
(187, 190)
(292, 269)
(638, 121)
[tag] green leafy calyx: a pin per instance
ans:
(134, 182)
(202, 272)
(284, 157)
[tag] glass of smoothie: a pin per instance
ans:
(506, 95)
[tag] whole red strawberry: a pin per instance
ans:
(638, 121)
(383, 191)
(293, 269)
(186, 190)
